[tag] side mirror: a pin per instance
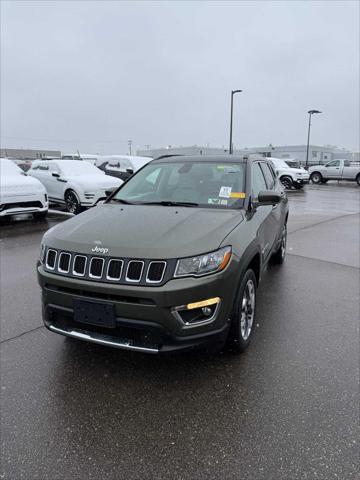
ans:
(56, 174)
(268, 197)
(130, 170)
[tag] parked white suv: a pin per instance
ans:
(20, 193)
(290, 176)
(76, 184)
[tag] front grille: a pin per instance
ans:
(79, 265)
(96, 267)
(111, 270)
(64, 262)
(51, 259)
(114, 269)
(8, 206)
(155, 272)
(134, 271)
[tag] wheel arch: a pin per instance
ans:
(70, 188)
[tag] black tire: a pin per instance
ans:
(243, 314)
(280, 254)
(40, 215)
(316, 177)
(72, 202)
(358, 179)
(286, 181)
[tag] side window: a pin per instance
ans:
(334, 163)
(43, 167)
(257, 181)
(346, 163)
(270, 181)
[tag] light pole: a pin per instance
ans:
(310, 112)
(231, 118)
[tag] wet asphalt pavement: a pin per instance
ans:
(285, 409)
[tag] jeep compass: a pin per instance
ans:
(171, 260)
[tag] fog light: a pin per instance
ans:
(206, 311)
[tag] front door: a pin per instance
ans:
(263, 216)
(333, 170)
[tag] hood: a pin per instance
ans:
(15, 185)
(95, 181)
(139, 231)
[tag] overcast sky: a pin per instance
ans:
(92, 75)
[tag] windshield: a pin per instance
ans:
(76, 168)
(204, 184)
(7, 167)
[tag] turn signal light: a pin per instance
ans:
(204, 303)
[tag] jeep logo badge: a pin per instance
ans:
(97, 249)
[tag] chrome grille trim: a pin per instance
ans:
(102, 267)
(47, 257)
(73, 269)
(59, 262)
(110, 266)
(141, 273)
(163, 272)
(108, 277)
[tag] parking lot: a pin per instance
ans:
(285, 409)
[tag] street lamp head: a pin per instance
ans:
(236, 91)
(311, 112)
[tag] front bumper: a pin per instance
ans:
(146, 317)
(92, 199)
(301, 181)
(19, 204)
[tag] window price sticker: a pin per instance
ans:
(225, 192)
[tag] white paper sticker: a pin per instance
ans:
(225, 192)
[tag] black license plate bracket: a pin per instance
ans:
(94, 313)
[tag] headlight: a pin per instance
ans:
(42, 252)
(203, 264)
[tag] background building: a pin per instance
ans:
(317, 154)
(23, 153)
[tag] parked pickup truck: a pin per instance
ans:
(335, 170)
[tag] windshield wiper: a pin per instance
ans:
(170, 203)
(120, 200)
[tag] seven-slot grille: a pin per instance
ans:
(105, 269)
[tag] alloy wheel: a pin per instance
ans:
(71, 202)
(286, 181)
(247, 310)
(283, 242)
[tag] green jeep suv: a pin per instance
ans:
(171, 260)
